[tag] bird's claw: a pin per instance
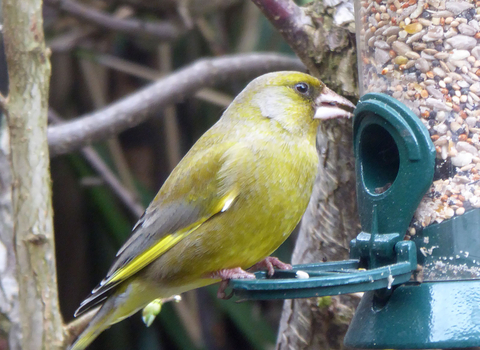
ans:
(226, 275)
(270, 263)
(221, 291)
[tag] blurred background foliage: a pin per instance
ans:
(92, 67)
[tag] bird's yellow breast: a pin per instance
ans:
(271, 202)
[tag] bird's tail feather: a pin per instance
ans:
(124, 303)
(97, 325)
(128, 299)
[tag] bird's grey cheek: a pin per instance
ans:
(269, 104)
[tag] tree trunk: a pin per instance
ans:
(30, 304)
(327, 227)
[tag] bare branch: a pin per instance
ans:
(127, 197)
(250, 32)
(170, 121)
(134, 109)
(210, 36)
(95, 78)
(165, 31)
(126, 66)
(67, 41)
(111, 180)
(214, 97)
(137, 70)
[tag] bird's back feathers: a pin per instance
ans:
(169, 220)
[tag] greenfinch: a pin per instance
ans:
(231, 201)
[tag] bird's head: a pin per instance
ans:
(294, 101)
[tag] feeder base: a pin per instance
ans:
(425, 316)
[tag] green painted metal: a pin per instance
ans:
(426, 316)
(434, 314)
(340, 277)
(450, 250)
(394, 164)
(443, 311)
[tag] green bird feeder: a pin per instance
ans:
(423, 292)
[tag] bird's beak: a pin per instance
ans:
(330, 105)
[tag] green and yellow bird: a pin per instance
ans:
(231, 201)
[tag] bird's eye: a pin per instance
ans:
(302, 88)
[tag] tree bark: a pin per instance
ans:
(327, 227)
(322, 36)
(32, 304)
(10, 329)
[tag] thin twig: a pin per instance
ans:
(125, 196)
(67, 41)
(171, 131)
(250, 32)
(208, 33)
(165, 31)
(110, 179)
(95, 77)
(187, 310)
(3, 103)
(73, 329)
(137, 70)
(125, 66)
(132, 110)
(214, 97)
(185, 14)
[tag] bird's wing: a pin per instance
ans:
(183, 204)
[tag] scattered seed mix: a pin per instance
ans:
(426, 54)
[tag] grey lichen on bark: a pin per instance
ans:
(26, 111)
(333, 44)
(322, 36)
(10, 328)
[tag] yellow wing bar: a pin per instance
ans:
(166, 243)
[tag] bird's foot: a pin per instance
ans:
(228, 274)
(270, 263)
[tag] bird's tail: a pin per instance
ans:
(103, 319)
(129, 298)
(93, 330)
(117, 307)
